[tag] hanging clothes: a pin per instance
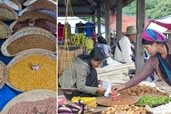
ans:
(89, 29)
(67, 31)
(60, 32)
(80, 27)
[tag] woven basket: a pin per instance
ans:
(7, 13)
(34, 15)
(29, 2)
(75, 51)
(40, 4)
(34, 95)
(14, 4)
(25, 32)
(29, 53)
(8, 31)
(3, 74)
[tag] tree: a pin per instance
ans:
(153, 8)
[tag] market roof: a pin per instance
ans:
(88, 7)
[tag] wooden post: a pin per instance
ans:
(140, 26)
(99, 20)
(93, 19)
(107, 21)
(119, 20)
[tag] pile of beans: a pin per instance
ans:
(47, 106)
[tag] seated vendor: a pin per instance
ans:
(81, 74)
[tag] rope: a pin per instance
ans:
(66, 43)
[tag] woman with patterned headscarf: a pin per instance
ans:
(159, 48)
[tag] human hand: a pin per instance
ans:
(101, 82)
(115, 89)
(101, 90)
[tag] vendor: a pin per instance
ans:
(81, 74)
(159, 48)
(102, 44)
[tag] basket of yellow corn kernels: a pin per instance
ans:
(32, 69)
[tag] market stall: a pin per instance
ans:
(28, 55)
(143, 98)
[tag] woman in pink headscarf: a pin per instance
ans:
(159, 48)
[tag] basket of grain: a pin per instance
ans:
(65, 56)
(5, 31)
(3, 74)
(7, 13)
(15, 4)
(39, 4)
(29, 38)
(32, 102)
(35, 18)
(32, 69)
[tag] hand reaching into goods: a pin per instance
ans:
(101, 90)
(115, 89)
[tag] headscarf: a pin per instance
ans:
(153, 36)
(97, 54)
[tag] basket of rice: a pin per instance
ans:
(40, 101)
(32, 69)
(29, 38)
(5, 31)
(7, 13)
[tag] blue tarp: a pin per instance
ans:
(6, 93)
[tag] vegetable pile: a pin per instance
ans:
(139, 90)
(124, 109)
(153, 100)
(79, 40)
(74, 108)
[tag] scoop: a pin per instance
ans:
(115, 95)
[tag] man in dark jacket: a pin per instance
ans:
(81, 74)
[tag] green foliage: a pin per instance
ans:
(153, 8)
